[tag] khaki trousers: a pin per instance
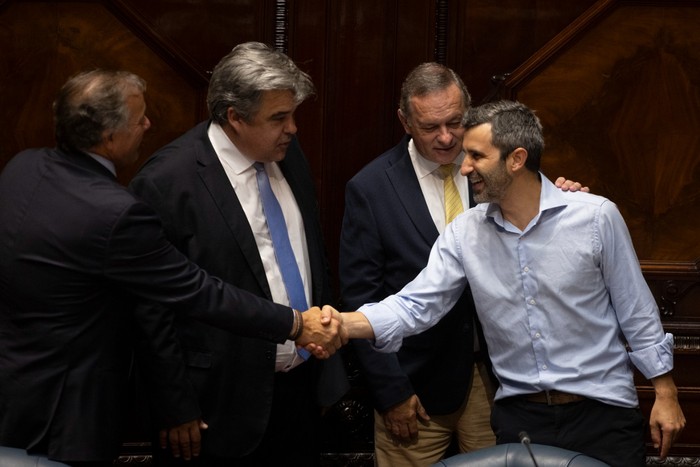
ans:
(470, 424)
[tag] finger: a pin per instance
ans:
(655, 436)
(422, 414)
(185, 446)
(174, 443)
(326, 314)
(196, 440)
(163, 437)
(666, 442)
(404, 431)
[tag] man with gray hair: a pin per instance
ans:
(77, 250)
(213, 187)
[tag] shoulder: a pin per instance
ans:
(377, 168)
(588, 201)
(177, 157)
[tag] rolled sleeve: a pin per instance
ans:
(655, 360)
(387, 335)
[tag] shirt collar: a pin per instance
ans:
(106, 163)
(551, 197)
(423, 166)
(227, 152)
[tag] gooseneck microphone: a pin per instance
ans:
(525, 440)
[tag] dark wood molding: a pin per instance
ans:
(161, 45)
(441, 31)
(281, 26)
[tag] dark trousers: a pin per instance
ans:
(614, 435)
(291, 438)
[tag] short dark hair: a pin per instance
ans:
(513, 125)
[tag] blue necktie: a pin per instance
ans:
(280, 243)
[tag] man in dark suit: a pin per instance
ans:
(394, 211)
(393, 215)
(77, 250)
(259, 399)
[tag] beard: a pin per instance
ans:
(491, 185)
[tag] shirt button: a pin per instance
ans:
(526, 269)
(544, 367)
(532, 301)
(537, 335)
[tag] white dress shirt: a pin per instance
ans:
(432, 184)
(241, 174)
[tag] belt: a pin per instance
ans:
(552, 397)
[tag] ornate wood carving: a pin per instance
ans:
(441, 31)
(281, 25)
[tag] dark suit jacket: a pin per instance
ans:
(233, 376)
(385, 242)
(76, 251)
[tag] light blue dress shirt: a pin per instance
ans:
(558, 302)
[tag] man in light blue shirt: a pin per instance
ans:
(560, 295)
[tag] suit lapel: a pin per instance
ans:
(403, 180)
(214, 178)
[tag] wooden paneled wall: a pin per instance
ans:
(615, 82)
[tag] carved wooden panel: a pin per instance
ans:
(618, 93)
(44, 43)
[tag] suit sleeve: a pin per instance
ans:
(361, 277)
(143, 262)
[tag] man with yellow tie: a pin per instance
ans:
(395, 208)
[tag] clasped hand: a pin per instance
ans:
(323, 332)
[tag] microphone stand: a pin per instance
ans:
(525, 440)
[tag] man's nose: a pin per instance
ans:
(467, 166)
(290, 126)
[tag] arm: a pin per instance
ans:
(638, 315)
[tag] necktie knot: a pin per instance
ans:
(446, 170)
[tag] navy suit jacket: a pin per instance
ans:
(385, 242)
(76, 251)
(232, 376)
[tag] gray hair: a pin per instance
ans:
(513, 125)
(91, 103)
(249, 69)
(427, 78)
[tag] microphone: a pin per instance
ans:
(525, 441)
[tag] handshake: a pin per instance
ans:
(326, 330)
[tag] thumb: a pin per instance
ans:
(421, 413)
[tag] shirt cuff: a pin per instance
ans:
(385, 327)
(655, 360)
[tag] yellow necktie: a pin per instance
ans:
(453, 203)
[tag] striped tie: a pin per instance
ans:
(453, 202)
